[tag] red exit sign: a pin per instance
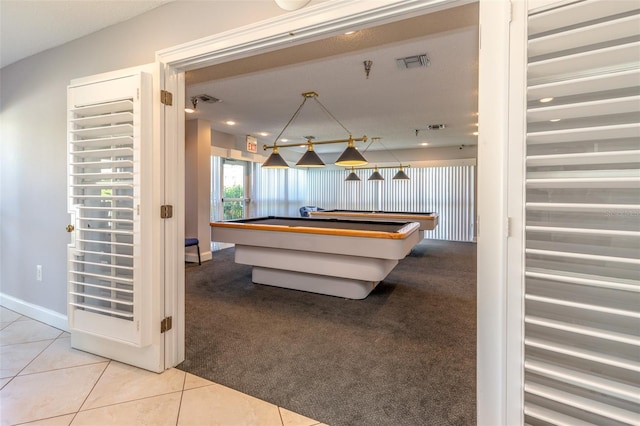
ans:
(252, 144)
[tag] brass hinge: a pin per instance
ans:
(166, 97)
(166, 211)
(165, 324)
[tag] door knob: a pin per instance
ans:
(70, 228)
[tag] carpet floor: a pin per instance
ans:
(405, 355)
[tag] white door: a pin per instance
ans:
(116, 191)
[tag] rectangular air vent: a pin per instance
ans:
(413, 62)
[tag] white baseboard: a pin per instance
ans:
(193, 257)
(47, 316)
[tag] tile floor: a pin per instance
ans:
(43, 381)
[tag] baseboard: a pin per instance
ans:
(47, 316)
(193, 257)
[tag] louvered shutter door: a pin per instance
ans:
(107, 286)
(582, 254)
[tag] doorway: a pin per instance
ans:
(235, 189)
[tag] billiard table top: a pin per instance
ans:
(376, 213)
(339, 227)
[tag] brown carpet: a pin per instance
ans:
(405, 355)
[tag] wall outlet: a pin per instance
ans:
(39, 272)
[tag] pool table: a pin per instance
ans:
(337, 257)
(427, 221)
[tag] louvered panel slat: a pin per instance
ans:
(613, 58)
(586, 158)
(106, 143)
(583, 256)
(107, 311)
(576, 86)
(582, 203)
(552, 417)
(119, 300)
(558, 18)
(587, 381)
(124, 105)
(102, 287)
(620, 105)
(615, 131)
(585, 404)
(104, 132)
(584, 279)
(586, 331)
(591, 34)
(585, 306)
(583, 354)
(94, 121)
(119, 279)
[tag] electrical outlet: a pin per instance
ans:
(39, 272)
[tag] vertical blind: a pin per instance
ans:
(582, 241)
(448, 191)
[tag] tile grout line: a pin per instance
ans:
(184, 383)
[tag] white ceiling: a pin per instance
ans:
(28, 27)
(391, 104)
(261, 93)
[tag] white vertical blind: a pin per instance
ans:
(582, 245)
(106, 286)
(448, 191)
(277, 192)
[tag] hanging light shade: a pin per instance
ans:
(351, 156)
(310, 158)
(353, 177)
(401, 175)
(376, 175)
(275, 161)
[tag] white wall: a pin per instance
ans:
(33, 193)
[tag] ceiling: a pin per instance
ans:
(28, 27)
(261, 94)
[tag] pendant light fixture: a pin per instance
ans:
(310, 158)
(353, 177)
(275, 161)
(376, 175)
(401, 175)
(350, 157)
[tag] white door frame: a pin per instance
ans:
(331, 18)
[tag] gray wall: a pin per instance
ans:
(33, 192)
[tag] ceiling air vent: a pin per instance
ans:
(208, 99)
(416, 61)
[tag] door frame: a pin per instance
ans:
(333, 17)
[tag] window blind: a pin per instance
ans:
(582, 232)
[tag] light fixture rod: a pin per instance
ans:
(379, 167)
(362, 139)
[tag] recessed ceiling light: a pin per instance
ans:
(263, 134)
(545, 100)
(349, 32)
(475, 133)
(230, 122)
(425, 144)
(553, 120)
(284, 140)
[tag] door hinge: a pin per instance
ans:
(166, 97)
(166, 211)
(165, 324)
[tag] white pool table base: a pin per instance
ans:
(320, 284)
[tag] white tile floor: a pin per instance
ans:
(43, 381)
